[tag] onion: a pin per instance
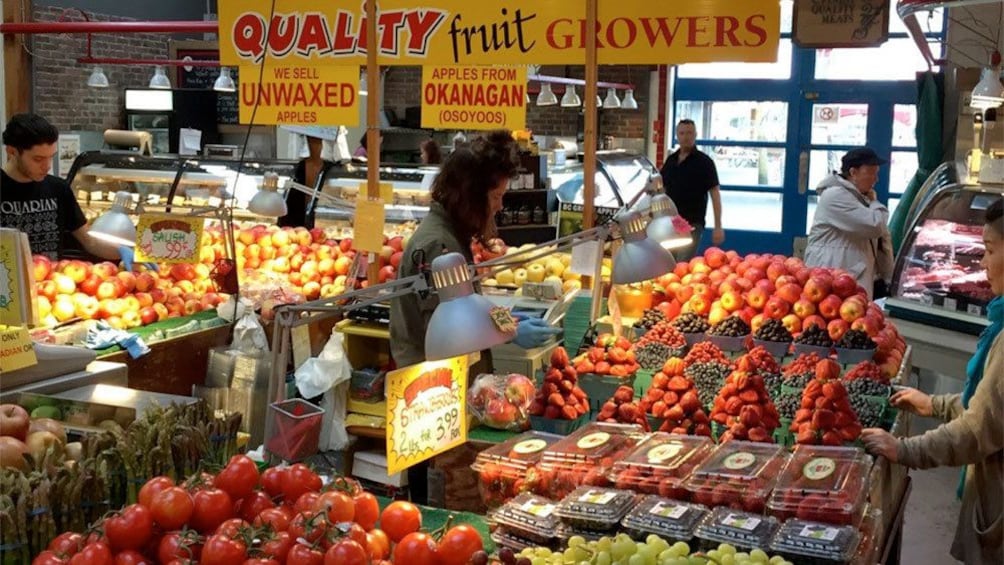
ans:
(12, 452)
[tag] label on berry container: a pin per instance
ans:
(747, 523)
(529, 446)
(974, 309)
(664, 452)
(536, 508)
(951, 304)
(592, 441)
(819, 468)
(597, 497)
(819, 532)
(669, 510)
(739, 461)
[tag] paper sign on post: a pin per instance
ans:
(16, 349)
(368, 225)
(386, 192)
(474, 97)
(166, 238)
(426, 411)
(585, 256)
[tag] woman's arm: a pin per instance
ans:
(846, 213)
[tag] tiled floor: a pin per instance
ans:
(931, 515)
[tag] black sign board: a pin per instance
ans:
(204, 78)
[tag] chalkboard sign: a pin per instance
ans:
(204, 78)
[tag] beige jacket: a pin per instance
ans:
(973, 437)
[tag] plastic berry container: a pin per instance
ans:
(822, 484)
(530, 517)
(743, 530)
(660, 464)
(802, 541)
(738, 474)
(670, 519)
(504, 537)
(584, 458)
(779, 349)
(507, 469)
(847, 356)
(567, 531)
(729, 344)
(595, 508)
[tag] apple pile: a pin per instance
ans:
(745, 409)
(826, 416)
(560, 396)
(622, 409)
(554, 267)
(611, 355)
(41, 437)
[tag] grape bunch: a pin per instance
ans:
(856, 339)
(814, 335)
(787, 404)
(773, 330)
(733, 326)
(651, 356)
(869, 413)
(691, 323)
(709, 378)
(507, 557)
(649, 318)
(653, 550)
(866, 371)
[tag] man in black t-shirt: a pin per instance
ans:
(690, 176)
(37, 203)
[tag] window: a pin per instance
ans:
(737, 121)
(748, 166)
(839, 124)
(896, 59)
(749, 211)
(902, 167)
(780, 70)
(904, 125)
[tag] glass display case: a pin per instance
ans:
(412, 186)
(938, 279)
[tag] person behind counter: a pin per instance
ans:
(431, 155)
(308, 171)
(42, 205)
(362, 152)
(973, 432)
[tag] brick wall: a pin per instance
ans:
(402, 88)
(60, 88)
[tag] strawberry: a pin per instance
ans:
(567, 386)
(805, 437)
(585, 366)
(556, 399)
(569, 413)
(659, 381)
(602, 368)
(616, 355)
(759, 434)
(679, 384)
(670, 398)
(749, 396)
(553, 412)
(832, 438)
(627, 412)
(579, 393)
(733, 406)
(674, 413)
(750, 416)
(559, 357)
(659, 409)
(823, 419)
(569, 373)
(690, 401)
(834, 390)
(549, 388)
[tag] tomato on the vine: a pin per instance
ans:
(129, 529)
(277, 545)
(172, 508)
(220, 550)
(306, 501)
(252, 505)
(260, 561)
(239, 477)
(231, 527)
(67, 543)
(275, 518)
(346, 552)
(416, 548)
(399, 519)
(458, 544)
(47, 557)
(301, 554)
(378, 545)
(309, 526)
(152, 487)
(337, 506)
(343, 531)
(179, 545)
(131, 557)
(211, 507)
(298, 480)
(96, 553)
(271, 480)
(367, 510)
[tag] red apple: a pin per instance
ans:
(342, 265)
(757, 298)
(77, 270)
(844, 285)
(14, 421)
(757, 321)
(829, 307)
(817, 288)
(148, 315)
(64, 284)
(47, 289)
(746, 314)
(698, 305)
(128, 281)
(793, 323)
(866, 325)
(107, 290)
(326, 267)
(312, 290)
(731, 301)
(387, 273)
(766, 284)
(182, 272)
(395, 259)
(790, 293)
(837, 328)
(715, 257)
(89, 286)
(814, 320)
(851, 310)
(793, 264)
(317, 235)
(803, 308)
(803, 275)
(775, 270)
(776, 308)
(42, 267)
(717, 313)
(397, 243)
(161, 311)
(145, 282)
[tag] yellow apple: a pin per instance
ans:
(571, 284)
(489, 282)
(506, 277)
(570, 276)
(520, 277)
(555, 268)
(566, 259)
(535, 273)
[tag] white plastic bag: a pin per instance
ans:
(328, 374)
(249, 336)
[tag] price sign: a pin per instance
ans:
(16, 349)
(165, 238)
(426, 411)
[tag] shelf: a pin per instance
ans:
(527, 227)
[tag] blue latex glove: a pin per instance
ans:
(101, 336)
(127, 255)
(533, 332)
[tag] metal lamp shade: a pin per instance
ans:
(98, 78)
(629, 102)
(546, 96)
(570, 99)
(640, 258)
(612, 102)
(159, 79)
(268, 203)
(224, 82)
(661, 228)
(115, 226)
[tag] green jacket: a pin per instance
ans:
(410, 315)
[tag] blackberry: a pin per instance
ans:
(799, 381)
(691, 323)
(708, 378)
(869, 413)
(772, 381)
(815, 336)
(856, 339)
(867, 387)
(787, 404)
(733, 326)
(649, 318)
(773, 330)
(652, 356)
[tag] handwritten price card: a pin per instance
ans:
(426, 411)
(164, 238)
(16, 349)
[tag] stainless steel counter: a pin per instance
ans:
(97, 372)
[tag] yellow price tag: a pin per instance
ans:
(17, 351)
(368, 225)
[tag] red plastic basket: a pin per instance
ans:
(297, 429)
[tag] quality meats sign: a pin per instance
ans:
(498, 32)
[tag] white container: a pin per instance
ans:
(372, 466)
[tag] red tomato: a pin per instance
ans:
(459, 544)
(47, 557)
(180, 546)
(239, 477)
(96, 553)
(399, 519)
(251, 506)
(338, 506)
(306, 502)
(172, 507)
(129, 529)
(67, 543)
(271, 480)
(277, 546)
(152, 487)
(367, 510)
(232, 527)
(308, 526)
(275, 518)
(344, 530)
(260, 561)
(301, 554)
(300, 479)
(131, 557)
(346, 552)
(211, 507)
(416, 548)
(378, 545)
(220, 550)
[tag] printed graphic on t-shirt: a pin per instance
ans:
(37, 217)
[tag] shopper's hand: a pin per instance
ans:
(871, 195)
(912, 400)
(534, 332)
(127, 255)
(718, 236)
(880, 442)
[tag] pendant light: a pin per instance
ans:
(224, 82)
(267, 201)
(661, 228)
(570, 99)
(989, 92)
(98, 79)
(612, 102)
(114, 226)
(629, 102)
(159, 79)
(546, 96)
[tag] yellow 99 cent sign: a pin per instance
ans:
(474, 97)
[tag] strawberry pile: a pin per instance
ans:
(664, 333)
(610, 355)
(560, 397)
(826, 416)
(761, 362)
(745, 409)
(799, 372)
(706, 352)
(674, 399)
(621, 408)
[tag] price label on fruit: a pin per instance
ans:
(166, 238)
(426, 411)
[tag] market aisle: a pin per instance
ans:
(931, 515)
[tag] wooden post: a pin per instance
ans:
(372, 123)
(16, 64)
(589, 106)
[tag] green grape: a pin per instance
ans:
(576, 541)
(681, 549)
(776, 560)
(603, 558)
(742, 557)
(758, 556)
(727, 549)
(538, 561)
(526, 552)
(636, 559)
(604, 543)
(714, 554)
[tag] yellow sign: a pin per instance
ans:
(17, 279)
(473, 97)
(367, 227)
(301, 95)
(499, 32)
(386, 192)
(16, 349)
(426, 411)
(167, 238)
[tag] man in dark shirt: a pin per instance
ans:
(37, 203)
(689, 176)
